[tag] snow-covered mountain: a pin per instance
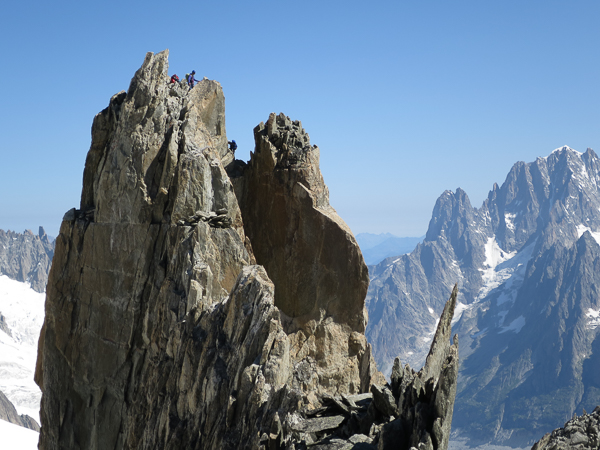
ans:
(528, 266)
(25, 260)
(26, 257)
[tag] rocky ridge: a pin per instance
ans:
(581, 432)
(161, 331)
(26, 257)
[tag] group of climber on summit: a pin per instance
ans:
(189, 79)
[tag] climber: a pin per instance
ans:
(174, 78)
(232, 145)
(191, 80)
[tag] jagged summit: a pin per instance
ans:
(526, 310)
(564, 148)
(26, 257)
(147, 132)
(297, 225)
(160, 329)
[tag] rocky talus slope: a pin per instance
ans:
(161, 330)
(26, 257)
(582, 433)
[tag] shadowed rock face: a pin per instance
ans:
(160, 332)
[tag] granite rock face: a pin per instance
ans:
(308, 251)
(287, 216)
(160, 329)
(26, 257)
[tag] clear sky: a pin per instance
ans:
(405, 99)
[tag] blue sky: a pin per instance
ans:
(405, 99)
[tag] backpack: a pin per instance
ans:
(187, 77)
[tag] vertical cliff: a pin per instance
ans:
(160, 329)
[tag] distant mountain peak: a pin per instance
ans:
(26, 257)
(527, 262)
(564, 148)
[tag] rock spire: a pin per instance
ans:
(161, 331)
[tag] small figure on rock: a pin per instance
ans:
(232, 145)
(174, 78)
(190, 79)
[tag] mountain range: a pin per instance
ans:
(376, 247)
(26, 257)
(198, 301)
(528, 267)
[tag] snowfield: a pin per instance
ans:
(14, 437)
(23, 310)
(494, 272)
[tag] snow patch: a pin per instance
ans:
(458, 311)
(582, 229)
(431, 311)
(503, 270)
(429, 336)
(515, 325)
(594, 317)
(509, 220)
(494, 257)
